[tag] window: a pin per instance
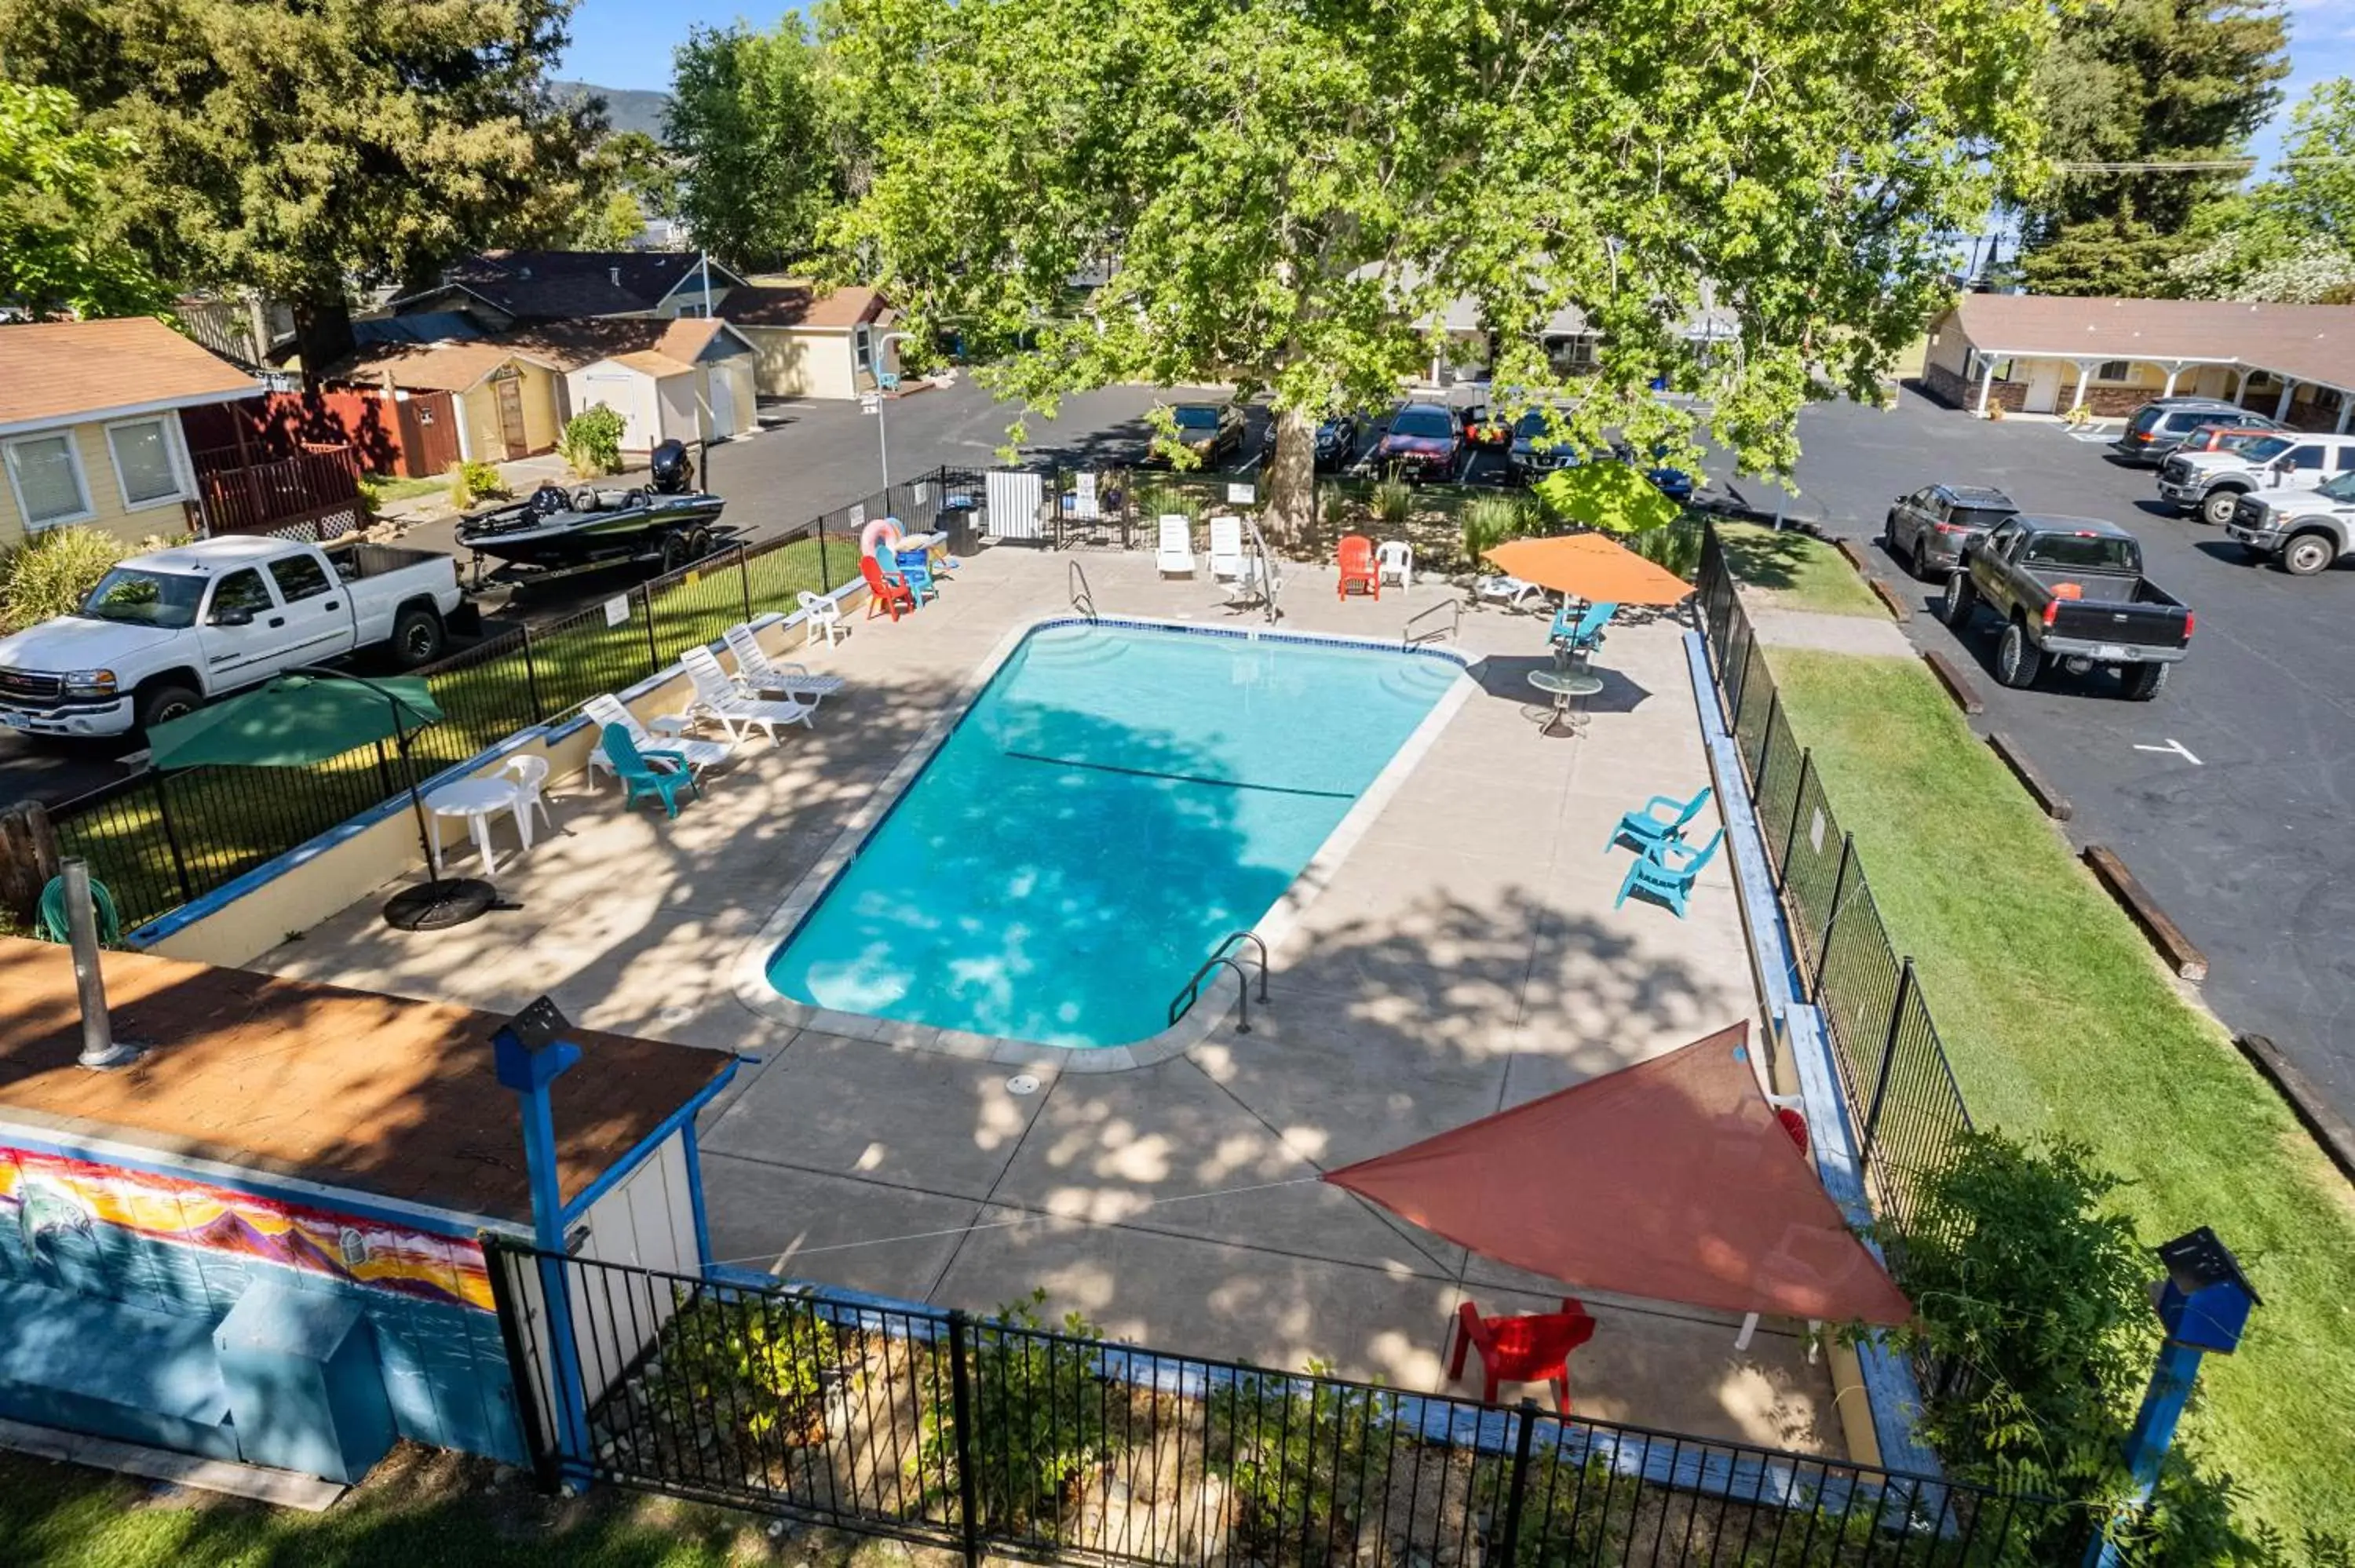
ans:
(238, 591)
(2084, 552)
(299, 577)
(694, 312)
(145, 463)
(2112, 370)
(46, 473)
(862, 349)
(2346, 459)
(2307, 456)
(146, 598)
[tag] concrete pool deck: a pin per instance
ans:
(1464, 956)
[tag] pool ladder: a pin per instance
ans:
(1452, 631)
(1223, 956)
(1083, 598)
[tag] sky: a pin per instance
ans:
(627, 43)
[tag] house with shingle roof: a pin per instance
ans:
(503, 289)
(2039, 354)
(813, 340)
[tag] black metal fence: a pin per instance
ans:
(1893, 1066)
(1002, 1437)
(158, 841)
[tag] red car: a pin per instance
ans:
(1425, 441)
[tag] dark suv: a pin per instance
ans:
(1927, 529)
(2159, 425)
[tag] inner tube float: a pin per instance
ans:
(876, 532)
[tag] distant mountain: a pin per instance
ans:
(626, 108)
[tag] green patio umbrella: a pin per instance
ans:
(312, 713)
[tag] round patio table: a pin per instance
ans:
(1564, 687)
(475, 799)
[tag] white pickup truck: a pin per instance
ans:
(163, 633)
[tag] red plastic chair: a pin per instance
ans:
(1533, 1349)
(1357, 562)
(884, 588)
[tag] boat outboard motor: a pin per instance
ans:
(673, 469)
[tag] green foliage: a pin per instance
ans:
(765, 151)
(1168, 501)
(1306, 1459)
(1611, 496)
(1041, 1417)
(473, 482)
(1390, 503)
(294, 147)
(52, 573)
(758, 1364)
(591, 441)
(2119, 254)
(1490, 520)
(2291, 238)
(62, 248)
(626, 178)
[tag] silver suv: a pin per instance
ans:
(2212, 483)
(2158, 425)
(1928, 529)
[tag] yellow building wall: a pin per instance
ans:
(479, 408)
(794, 364)
(169, 519)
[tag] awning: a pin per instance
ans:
(1670, 1179)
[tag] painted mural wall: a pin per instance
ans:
(189, 1247)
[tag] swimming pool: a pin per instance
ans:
(1116, 800)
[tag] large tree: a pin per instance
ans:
(2292, 237)
(1282, 192)
(300, 147)
(2144, 81)
(62, 248)
(765, 153)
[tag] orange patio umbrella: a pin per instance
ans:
(1592, 567)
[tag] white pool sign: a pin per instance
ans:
(1241, 494)
(617, 611)
(870, 402)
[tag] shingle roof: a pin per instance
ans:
(804, 306)
(569, 346)
(424, 326)
(53, 372)
(2307, 343)
(435, 366)
(550, 285)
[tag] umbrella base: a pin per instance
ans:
(438, 905)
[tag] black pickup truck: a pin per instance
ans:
(2069, 588)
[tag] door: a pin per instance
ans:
(679, 412)
(723, 401)
(318, 609)
(509, 388)
(242, 630)
(2043, 388)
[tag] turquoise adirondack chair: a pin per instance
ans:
(640, 777)
(1666, 873)
(1583, 635)
(1643, 828)
(916, 570)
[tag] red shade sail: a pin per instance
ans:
(1671, 1179)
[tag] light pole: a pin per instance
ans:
(872, 403)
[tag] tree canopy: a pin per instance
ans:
(300, 146)
(765, 152)
(2290, 238)
(62, 250)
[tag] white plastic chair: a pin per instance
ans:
(824, 618)
(758, 674)
(1510, 592)
(694, 755)
(1176, 556)
(529, 772)
(1395, 562)
(731, 707)
(1227, 549)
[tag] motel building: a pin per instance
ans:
(2033, 354)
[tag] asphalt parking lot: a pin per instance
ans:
(2222, 795)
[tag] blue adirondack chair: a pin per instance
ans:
(1642, 828)
(1666, 871)
(640, 777)
(916, 571)
(1583, 635)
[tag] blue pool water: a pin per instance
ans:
(1115, 800)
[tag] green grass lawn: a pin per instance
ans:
(1786, 569)
(421, 1510)
(2058, 1019)
(379, 491)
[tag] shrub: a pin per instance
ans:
(1488, 521)
(1392, 503)
(1301, 1457)
(592, 443)
(756, 1363)
(1168, 500)
(473, 482)
(1041, 1417)
(53, 572)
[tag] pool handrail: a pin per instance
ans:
(1083, 598)
(1223, 953)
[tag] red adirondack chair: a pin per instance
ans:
(1357, 561)
(887, 589)
(1532, 1349)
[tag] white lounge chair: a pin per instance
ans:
(695, 755)
(824, 617)
(1227, 549)
(762, 676)
(733, 708)
(1176, 556)
(1395, 562)
(1510, 592)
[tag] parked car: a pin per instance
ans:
(2069, 588)
(1674, 482)
(1928, 529)
(163, 632)
(2212, 483)
(1337, 440)
(2307, 531)
(2154, 428)
(2225, 437)
(1425, 441)
(1533, 453)
(1214, 432)
(1484, 428)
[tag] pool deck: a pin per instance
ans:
(1463, 958)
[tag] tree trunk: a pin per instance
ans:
(323, 336)
(1291, 512)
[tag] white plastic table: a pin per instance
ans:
(476, 799)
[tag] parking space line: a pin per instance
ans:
(2174, 746)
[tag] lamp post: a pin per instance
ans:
(2203, 1304)
(872, 403)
